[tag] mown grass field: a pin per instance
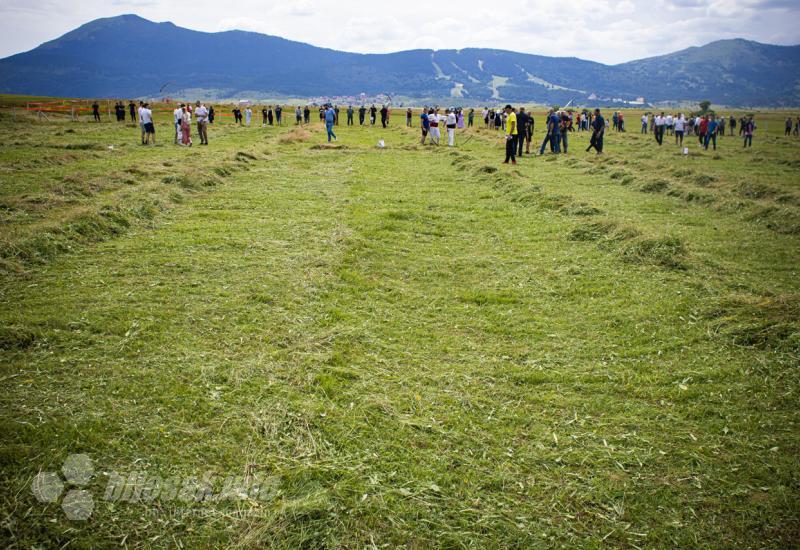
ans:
(419, 346)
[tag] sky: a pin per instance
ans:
(608, 31)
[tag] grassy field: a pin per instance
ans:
(413, 346)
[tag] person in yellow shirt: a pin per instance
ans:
(512, 135)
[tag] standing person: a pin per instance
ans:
(263, 116)
(452, 123)
(669, 123)
(248, 115)
(512, 134)
(703, 130)
(349, 115)
(564, 127)
(177, 114)
(336, 112)
(797, 126)
(384, 115)
(298, 116)
(598, 130)
(434, 120)
(330, 120)
(644, 123)
(788, 130)
(470, 118)
(141, 124)
(424, 125)
(522, 126)
(747, 129)
(96, 111)
(711, 132)
(721, 131)
(362, 113)
(680, 124)
(146, 118)
(528, 132)
(132, 111)
(732, 123)
(211, 114)
(658, 131)
(201, 116)
(615, 121)
(270, 117)
(278, 115)
(460, 119)
(409, 115)
(306, 115)
(372, 113)
(186, 127)
(553, 136)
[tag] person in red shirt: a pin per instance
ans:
(703, 129)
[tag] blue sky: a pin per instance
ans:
(609, 31)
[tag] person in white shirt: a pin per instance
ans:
(248, 114)
(176, 118)
(451, 127)
(146, 118)
(186, 127)
(660, 122)
(201, 114)
(669, 124)
(435, 120)
(141, 124)
(644, 123)
(680, 125)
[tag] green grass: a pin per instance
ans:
(419, 346)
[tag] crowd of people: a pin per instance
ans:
(515, 123)
(706, 127)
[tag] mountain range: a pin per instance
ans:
(128, 56)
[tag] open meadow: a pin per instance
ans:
(409, 346)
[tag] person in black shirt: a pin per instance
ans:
(307, 115)
(350, 115)
(362, 112)
(528, 132)
(132, 110)
(598, 129)
(263, 117)
(384, 115)
(211, 114)
(522, 123)
(372, 112)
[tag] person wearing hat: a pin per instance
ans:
(512, 134)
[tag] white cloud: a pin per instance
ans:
(610, 31)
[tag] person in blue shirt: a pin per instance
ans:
(425, 125)
(711, 132)
(330, 119)
(553, 133)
